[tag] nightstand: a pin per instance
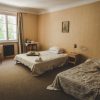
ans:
(73, 58)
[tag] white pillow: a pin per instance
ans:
(56, 50)
(95, 60)
(53, 51)
(88, 60)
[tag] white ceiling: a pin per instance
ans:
(43, 4)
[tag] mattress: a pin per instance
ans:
(82, 81)
(49, 61)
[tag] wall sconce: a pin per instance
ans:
(75, 46)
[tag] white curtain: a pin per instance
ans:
(20, 30)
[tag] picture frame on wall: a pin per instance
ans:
(65, 26)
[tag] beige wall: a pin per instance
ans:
(30, 26)
(84, 29)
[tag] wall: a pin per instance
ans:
(30, 26)
(84, 29)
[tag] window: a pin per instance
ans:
(7, 27)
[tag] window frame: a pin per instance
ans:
(7, 34)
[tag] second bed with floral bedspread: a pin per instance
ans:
(82, 81)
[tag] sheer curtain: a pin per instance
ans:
(20, 31)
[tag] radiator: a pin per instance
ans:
(8, 50)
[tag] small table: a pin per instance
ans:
(31, 46)
(74, 58)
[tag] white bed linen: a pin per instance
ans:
(49, 61)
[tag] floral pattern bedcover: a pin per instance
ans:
(82, 81)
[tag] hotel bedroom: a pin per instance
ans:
(49, 50)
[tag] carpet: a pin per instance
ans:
(18, 83)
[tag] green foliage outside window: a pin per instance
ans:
(8, 27)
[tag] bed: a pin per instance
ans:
(82, 81)
(49, 60)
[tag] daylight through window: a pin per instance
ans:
(7, 27)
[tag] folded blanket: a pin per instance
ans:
(38, 59)
(33, 53)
